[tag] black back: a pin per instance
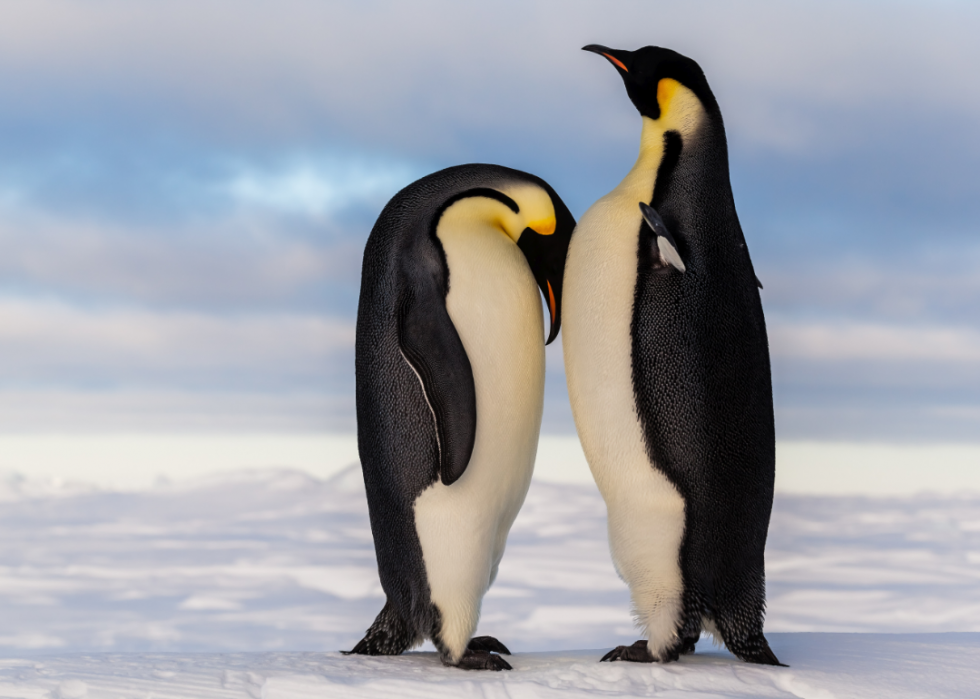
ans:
(702, 379)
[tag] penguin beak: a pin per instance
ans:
(642, 93)
(545, 255)
(618, 58)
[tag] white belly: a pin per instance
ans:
(493, 301)
(646, 513)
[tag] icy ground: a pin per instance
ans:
(246, 585)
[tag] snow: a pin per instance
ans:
(823, 666)
(247, 584)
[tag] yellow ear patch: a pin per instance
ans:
(545, 226)
(666, 89)
(537, 211)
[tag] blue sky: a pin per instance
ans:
(186, 187)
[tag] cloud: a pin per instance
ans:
(942, 288)
(316, 188)
(884, 104)
(298, 67)
(148, 182)
(159, 409)
(53, 344)
(878, 418)
(240, 260)
(874, 342)
(828, 105)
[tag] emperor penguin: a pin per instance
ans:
(449, 388)
(667, 363)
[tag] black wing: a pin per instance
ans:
(430, 343)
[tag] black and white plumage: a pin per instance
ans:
(450, 380)
(668, 372)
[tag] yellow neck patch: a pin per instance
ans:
(680, 109)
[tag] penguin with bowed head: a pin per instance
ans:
(668, 373)
(450, 389)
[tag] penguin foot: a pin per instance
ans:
(636, 653)
(482, 660)
(373, 645)
(687, 646)
(388, 635)
(487, 643)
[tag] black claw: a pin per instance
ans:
(636, 653)
(487, 643)
(482, 660)
(365, 647)
(688, 646)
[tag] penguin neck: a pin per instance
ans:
(640, 180)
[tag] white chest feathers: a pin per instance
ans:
(646, 512)
(495, 305)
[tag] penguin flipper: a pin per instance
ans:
(431, 345)
(666, 245)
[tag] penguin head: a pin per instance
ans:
(532, 215)
(547, 231)
(661, 83)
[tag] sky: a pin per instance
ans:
(186, 189)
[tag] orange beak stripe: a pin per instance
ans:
(551, 302)
(616, 62)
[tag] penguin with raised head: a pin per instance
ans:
(450, 389)
(668, 373)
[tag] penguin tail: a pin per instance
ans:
(388, 635)
(756, 650)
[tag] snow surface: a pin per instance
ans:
(246, 585)
(823, 666)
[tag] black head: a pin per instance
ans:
(643, 69)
